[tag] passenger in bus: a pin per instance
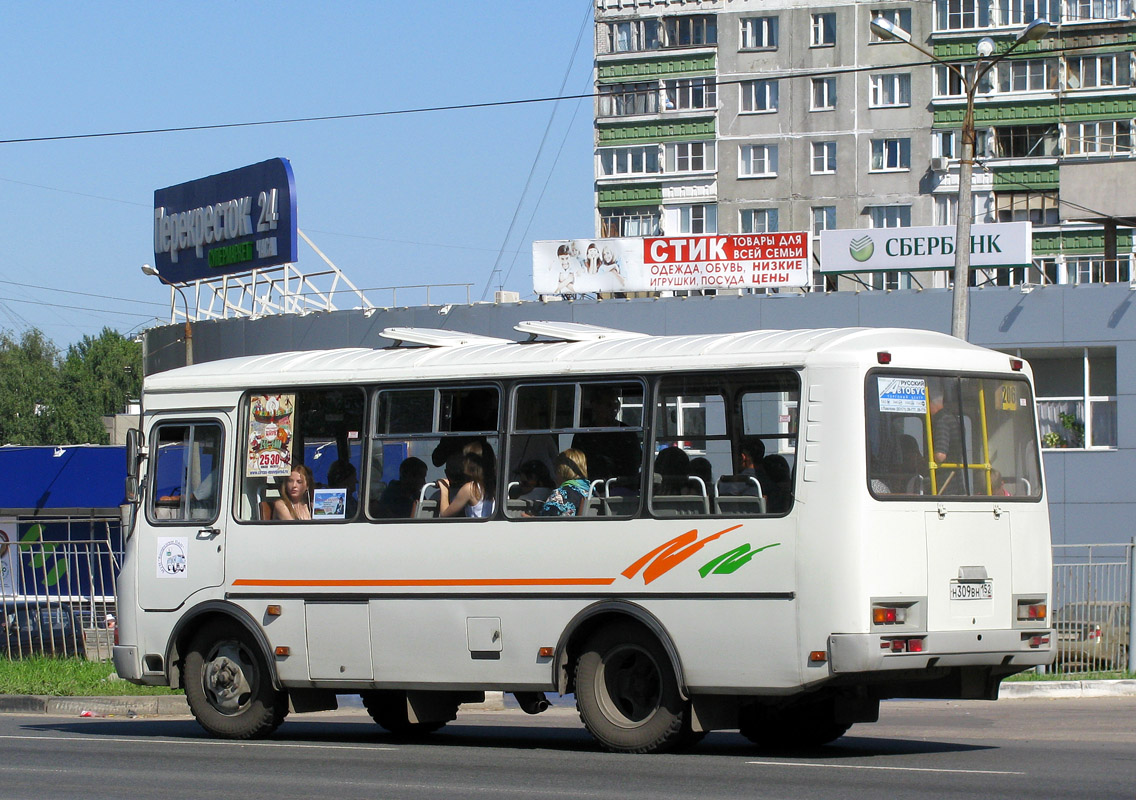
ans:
(613, 454)
(535, 482)
(343, 475)
(399, 499)
(295, 501)
(478, 413)
(700, 467)
(946, 437)
(568, 499)
(751, 455)
(475, 497)
(779, 493)
(672, 465)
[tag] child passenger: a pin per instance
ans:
(568, 499)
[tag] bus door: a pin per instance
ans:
(968, 569)
(181, 545)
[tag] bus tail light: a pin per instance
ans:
(1016, 364)
(914, 645)
(1038, 641)
(883, 357)
(1035, 612)
(889, 615)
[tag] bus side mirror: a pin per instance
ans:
(135, 452)
(132, 489)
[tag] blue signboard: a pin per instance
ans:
(225, 224)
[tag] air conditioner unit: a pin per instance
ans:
(506, 297)
(940, 164)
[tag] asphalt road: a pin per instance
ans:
(1010, 749)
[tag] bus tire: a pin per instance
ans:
(228, 686)
(388, 709)
(626, 692)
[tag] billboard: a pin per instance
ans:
(1002, 244)
(654, 264)
(228, 223)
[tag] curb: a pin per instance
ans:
(1017, 690)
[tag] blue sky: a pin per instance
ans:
(392, 200)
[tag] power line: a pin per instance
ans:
(82, 294)
(78, 308)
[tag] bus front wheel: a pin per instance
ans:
(626, 691)
(227, 684)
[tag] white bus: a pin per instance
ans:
(777, 530)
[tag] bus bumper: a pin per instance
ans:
(126, 663)
(872, 652)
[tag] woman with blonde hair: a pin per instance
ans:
(475, 497)
(568, 499)
(296, 500)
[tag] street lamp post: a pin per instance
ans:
(964, 214)
(148, 269)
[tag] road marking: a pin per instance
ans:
(213, 742)
(892, 769)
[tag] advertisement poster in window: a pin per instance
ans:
(270, 435)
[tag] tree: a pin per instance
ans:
(46, 399)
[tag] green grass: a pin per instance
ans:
(68, 677)
(1071, 676)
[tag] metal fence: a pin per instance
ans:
(1092, 601)
(58, 597)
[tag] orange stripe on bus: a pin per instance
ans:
(447, 582)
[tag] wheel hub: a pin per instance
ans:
(226, 683)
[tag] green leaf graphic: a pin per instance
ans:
(862, 249)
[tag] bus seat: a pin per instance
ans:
(427, 506)
(266, 496)
(739, 495)
(619, 505)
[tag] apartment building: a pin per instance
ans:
(739, 116)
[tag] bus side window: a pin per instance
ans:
(185, 478)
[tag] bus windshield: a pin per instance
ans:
(931, 434)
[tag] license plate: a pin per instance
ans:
(972, 591)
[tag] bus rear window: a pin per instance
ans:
(951, 436)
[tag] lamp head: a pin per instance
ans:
(149, 269)
(886, 29)
(1034, 31)
(986, 47)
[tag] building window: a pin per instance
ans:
(697, 218)
(1068, 382)
(759, 33)
(824, 158)
(943, 144)
(643, 160)
(890, 216)
(824, 219)
(632, 221)
(1085, 10)
(1112, 137)
(949, 84)
(1027, 75)
(759, 97)
(688, 94)
(900, 17)
(889, 89)
(1023, 12)
(628, 99)
(891, 155)
(824, 94)
(824, 30)
(691, 157)
(1098, 270)
(1098, 72)
(630, 36)
(757, 161)
(695, 30)
(1025, 141)
(959, 15)
(759, 220)
(1040, 208)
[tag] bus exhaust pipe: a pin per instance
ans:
(532, 702)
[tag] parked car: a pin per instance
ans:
(1092, 634)
(32, 629)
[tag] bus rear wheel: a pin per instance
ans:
(228, 686)
(388, 709)
(626, 692)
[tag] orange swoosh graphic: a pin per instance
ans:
(424, 582)
(667, 556)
